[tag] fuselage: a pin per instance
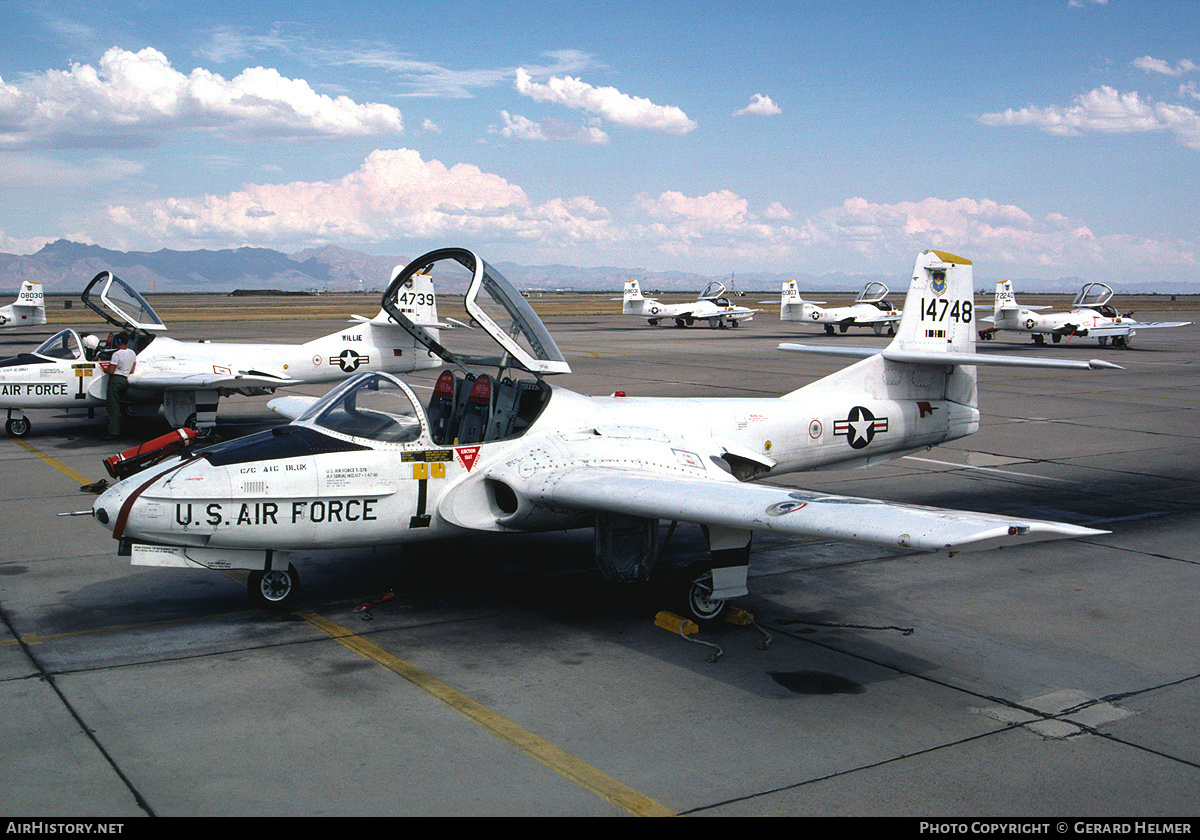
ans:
(1078, 321)
(65, 376)
(304, 487)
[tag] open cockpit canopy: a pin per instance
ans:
(492, 302)
(873, 292)
(1093, 295)
(117, 302)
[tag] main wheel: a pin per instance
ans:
(695, 595)
(17, 427)
(276, 589)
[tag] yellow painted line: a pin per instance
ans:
(562, 762)
(54, 462)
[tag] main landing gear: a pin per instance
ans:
(17, 427)
(693, 595)
(274, 589)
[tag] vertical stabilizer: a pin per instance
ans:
(31, 295)
(939, 311)
(29, 309)
(1005, 298)
(415, 299)
(791, 305)
(634, 303)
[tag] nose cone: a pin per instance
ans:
(107, 507)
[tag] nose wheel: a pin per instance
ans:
(274, 589)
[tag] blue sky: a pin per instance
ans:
(1050, 138)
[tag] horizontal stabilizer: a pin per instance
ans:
(930, 357)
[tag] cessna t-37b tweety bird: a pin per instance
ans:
(1091, 315)
(711, 306)
(28, 310)
(188, 379)
(368, 464)
(870, 309)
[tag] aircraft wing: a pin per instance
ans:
(765, 507)
(877, 316)
(292, 406)
(177, 381)
(1123, 329)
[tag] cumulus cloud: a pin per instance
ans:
(517, 127)
(393, 195)
(606, 102)
(718, 227)
(1108, 111)
(999, 235)
(133, 99)
(1157, 65)
(759, 105)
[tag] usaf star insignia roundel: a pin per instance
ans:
(860, 427)
(349, 361)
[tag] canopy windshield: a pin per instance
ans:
(492, 302)
(373, 405)
(1093, 294)
(62, 345)
(118, 303)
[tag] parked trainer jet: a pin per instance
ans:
(188, 379)
(711, 306)
(1091, 315)
(369, 464)
(28, 310)
(870, 309)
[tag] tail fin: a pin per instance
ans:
(29, 309)
(791, 305)
(634, 303)
(31, 295)
(1005, 299)
(939, 311)
(415, 299)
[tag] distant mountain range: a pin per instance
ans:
(65, 267)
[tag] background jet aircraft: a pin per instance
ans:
(188, 379)
(1091, 315)
(711, 306)
(870, 309)
(368, 464)
(28, 310)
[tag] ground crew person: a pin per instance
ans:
(120, 369)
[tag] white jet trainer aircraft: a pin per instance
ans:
(1091, 315)
(711, 306)
(28, 310)
(188, 379)
(368, 464)
(870, 309)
